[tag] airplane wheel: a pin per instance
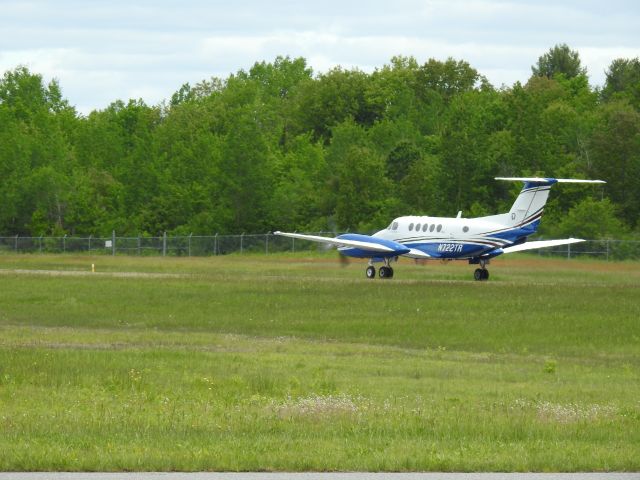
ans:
(371, 271)
(478, 274)
(385, 272)
(485, 274)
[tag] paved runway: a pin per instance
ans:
(317, 476)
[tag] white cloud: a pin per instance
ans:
(102, 51)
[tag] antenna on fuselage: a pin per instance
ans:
(459, 214)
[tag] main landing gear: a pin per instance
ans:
(481, 274)
(385, 271)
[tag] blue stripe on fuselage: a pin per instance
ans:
(452, 249)
(516, 234)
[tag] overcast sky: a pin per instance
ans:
(101, 51)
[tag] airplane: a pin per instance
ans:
(476, 240)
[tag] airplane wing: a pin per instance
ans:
(540, 244)
(362, 242)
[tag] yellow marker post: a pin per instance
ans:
(93, 268)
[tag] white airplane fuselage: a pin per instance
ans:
(446, 237)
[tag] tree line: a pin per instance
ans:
(278, 147)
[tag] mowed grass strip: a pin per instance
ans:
(545, 311)
(247, 364)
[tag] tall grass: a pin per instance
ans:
(249, 364)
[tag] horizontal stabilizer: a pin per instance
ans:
(548, 180)
(540, 244)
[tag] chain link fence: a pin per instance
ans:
(187, 246)
(198, 245)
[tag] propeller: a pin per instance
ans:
(342, 259)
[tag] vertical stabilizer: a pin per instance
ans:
(528, 207)
(530, 203)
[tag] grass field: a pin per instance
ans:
(293, 362)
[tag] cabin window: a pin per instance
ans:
(439, 227)
(394, 226)
(417, 227)
(433, 225)
(411, 226)
(465, 229)
(425, 227)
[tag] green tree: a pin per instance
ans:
(401, 158)
(358, 194)
(300, 177)
(559, 59)
(590, 219)
(623, 81)
(391, 92)
(245, 176)
(467, 167)
(615, 146)
(447, 78)
(36, 157)
(330, 99)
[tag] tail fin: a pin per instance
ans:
(528, 207)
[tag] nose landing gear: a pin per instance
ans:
(481, 274)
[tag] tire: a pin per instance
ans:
(371, 271)
(478, 274)
(485, 274)
(384, 272)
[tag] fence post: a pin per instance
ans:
(266, 243)
(607, 249)
(40, 243)
(568, 251)
(113, 243)
(215, 244)
(190, 235)
(64, 243)
(90, 242)
(15, 247)
(164, 244)
(241, 241)
(139, 245)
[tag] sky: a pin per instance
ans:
(102, 51)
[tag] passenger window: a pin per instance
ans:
(439, 227)
(417, 227)
(465, 229)
(395, 226)
(410, 226)
(425, 227)
(433, 225)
